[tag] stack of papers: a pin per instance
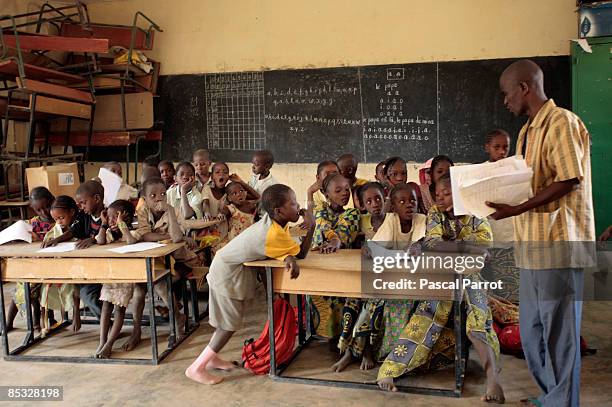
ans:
(506, 181)
(19, 230)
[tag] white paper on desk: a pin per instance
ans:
(111, 183)
(19, 230)
(506, 181)
(137, 247)
(59, 248)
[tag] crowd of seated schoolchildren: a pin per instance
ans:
(249, 221)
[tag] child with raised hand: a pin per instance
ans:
(240, 211)
(443, 227)
(316, 199)
(232, 285)
(40, 202)
(201, 162)
(336, 227)
(126, 191)
(61, 297)
(116, 225)
(183, 195)
(90, 198)
(167, 171)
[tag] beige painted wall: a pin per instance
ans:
(238, 35)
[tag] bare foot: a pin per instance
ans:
(220, 364)
(104, 352)
(202, 376)
(494, 394)
(133, 341)
(387, 384)
(76, 324)
(344, 361)
(100, 346)
(366, 362)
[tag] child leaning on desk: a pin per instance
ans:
(232, 285)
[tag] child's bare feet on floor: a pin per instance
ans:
(76, 325)
(220, 364)
(202, 376)
(104, 352)
(344, 361)
(494, 394)
(387, 384)
(133, 341)
(367, 361)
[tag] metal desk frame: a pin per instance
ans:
(305, 337)
(31, 339)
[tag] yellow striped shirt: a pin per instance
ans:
(558, 149)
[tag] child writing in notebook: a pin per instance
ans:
(183, 195)
(421, 333)
(61, 297)
(116, 225)
(40, 203)
(240, 211)
(232, 285)
(90, 198)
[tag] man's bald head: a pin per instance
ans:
(524, 70)
(522, 84)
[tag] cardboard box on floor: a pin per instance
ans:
(108, 115)
(59, 179)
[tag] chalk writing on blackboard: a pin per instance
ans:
(235, 111)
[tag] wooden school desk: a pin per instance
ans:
(339, 275)
(96, 264)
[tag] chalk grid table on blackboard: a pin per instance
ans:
(235, 111)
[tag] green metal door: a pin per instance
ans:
(592, 101)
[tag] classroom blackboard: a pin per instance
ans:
(308, 115)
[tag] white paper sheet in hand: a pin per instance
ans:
(137, 247)
(19, 230)
(506, 181)
(59, 248)
(111, 183)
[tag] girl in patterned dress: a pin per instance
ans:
(426, 342)
(40, 202)
(335, 228)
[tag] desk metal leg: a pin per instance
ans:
(172, 338)
(5, 345)
(152, 311)
(270, 297)
(28, 305)
(195, 307)
(301, 333)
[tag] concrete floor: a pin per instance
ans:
(113, 385)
